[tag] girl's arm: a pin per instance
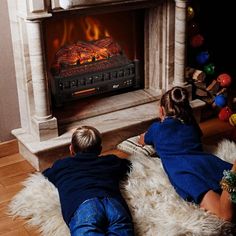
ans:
(141, 139)
(148, 137)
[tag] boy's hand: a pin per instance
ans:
(141, 139)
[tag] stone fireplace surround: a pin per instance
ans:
(43, 137)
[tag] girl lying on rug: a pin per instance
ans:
(196, 176)
(88, 186)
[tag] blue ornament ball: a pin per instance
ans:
(220, 100)
(202, 57)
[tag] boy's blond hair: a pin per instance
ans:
(86, 139)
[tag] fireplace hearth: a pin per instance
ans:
(150, 63)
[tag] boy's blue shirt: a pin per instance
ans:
(86, 176)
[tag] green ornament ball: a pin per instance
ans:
(209, 69)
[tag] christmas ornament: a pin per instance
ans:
(220, 100)
(225, 113)
(228, 183)
(224, 80)
(196, 40)
(232, 119)
(202, 57)
(190, 13)
(209, 69)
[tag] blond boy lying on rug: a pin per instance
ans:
(196, 176)
(88, 186)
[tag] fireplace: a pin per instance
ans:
(97, 54)
(150, 38)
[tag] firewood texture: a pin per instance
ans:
(80, 53)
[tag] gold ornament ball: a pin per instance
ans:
(232, 119)
(190, 13)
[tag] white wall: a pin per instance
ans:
(9, 109)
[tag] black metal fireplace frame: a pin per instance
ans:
(70, 88)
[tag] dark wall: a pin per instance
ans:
(217, 22)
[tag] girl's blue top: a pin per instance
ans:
(191, 171)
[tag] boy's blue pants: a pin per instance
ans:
(101, 216)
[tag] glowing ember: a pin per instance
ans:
(85, 52)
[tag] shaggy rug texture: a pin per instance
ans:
(156, 208)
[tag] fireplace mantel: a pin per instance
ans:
(39, 6)
(73, 4)
(39, 9)
(40, 132)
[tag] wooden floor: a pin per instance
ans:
(14, 169)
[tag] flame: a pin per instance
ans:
(93, 29)
(56, 43)
(70, 30)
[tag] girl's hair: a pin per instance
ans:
(86, 139)
(176, 104)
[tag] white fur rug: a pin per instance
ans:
(156, 208)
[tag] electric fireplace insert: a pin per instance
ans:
(92, 55)
(90, 68)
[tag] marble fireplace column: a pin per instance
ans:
(180, 43)
(43, 123)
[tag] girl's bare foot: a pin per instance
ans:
(234, 167)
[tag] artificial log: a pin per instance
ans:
(80, 53)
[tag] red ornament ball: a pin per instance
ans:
(225, 114)
(196, 41)
(224, 80)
